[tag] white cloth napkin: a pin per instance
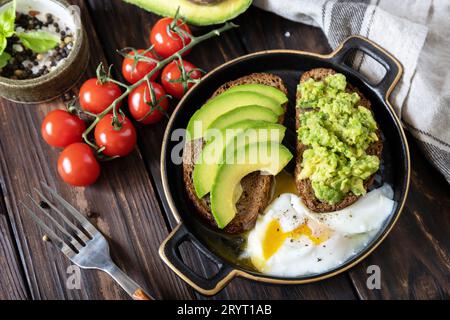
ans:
(417, 32)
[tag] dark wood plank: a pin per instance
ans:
(415, 257)
(124, 207)
(207, 56)
(13, 284)
(260, 30)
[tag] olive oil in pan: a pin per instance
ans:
(284, 182)
(230, 247)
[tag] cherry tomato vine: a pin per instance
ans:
(105, 76)
(179, 76)
(101, 98)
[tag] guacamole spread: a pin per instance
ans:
(337, 131)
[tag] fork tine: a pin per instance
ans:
(72, 240)
(56, 240)
(80, 234)
(77, 215)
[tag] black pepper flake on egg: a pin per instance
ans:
(26, 64)
(319, 259)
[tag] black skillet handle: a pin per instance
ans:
(206, 286)
(393, 67)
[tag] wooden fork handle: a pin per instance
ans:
(132, 288)
(140, 294)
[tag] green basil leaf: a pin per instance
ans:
(39, 41)
(7, 19)
(4, 58)
(3, 43)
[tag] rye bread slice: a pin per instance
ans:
(256, 187)
(304, 186)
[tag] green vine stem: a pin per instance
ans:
(159, 65)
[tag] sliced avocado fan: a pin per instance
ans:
(262, 156)
(202, 119)
(196, 12)
(216, 151)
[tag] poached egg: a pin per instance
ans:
(289, 240)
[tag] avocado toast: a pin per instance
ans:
(255, 187)
(374, 149)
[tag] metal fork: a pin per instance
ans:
(86, 248)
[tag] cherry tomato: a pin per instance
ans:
(145, 109)
(133, 72)
(165, 41)
(117, 141)
(96, 97)
(78, 166)
(172, 78)
(61, 128)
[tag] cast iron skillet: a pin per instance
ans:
(222, 249)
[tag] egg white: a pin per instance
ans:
(366, 214)
(342, 234)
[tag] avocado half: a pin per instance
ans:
(196, 12)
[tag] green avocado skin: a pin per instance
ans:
(194, 13)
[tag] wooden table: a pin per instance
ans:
(126, 203)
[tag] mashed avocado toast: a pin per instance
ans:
(339, 144)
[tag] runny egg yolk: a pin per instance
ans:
(275, 237)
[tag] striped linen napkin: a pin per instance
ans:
(417, 32)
